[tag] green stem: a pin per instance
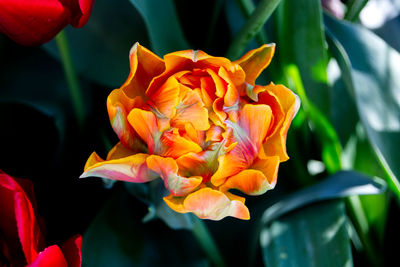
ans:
(247, 7)
(251, 27)
(206, 242)
(71, 77)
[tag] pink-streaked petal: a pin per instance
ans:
(211, 204)
(174, 145)
(256, 180)
(129, 169)
(119, 105)
(167, 168)
(145, 124)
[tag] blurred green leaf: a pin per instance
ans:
(117, 237)
(340, 185)
(247, 7)
(305, 238)
(331, 147)
(373, 76)
(302, 42)
(251, 27)
(100, 50)
(38, 81)
(151, 194)
(163, 26)
(354, 8)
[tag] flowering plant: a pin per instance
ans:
(205, 110)
(201, 124)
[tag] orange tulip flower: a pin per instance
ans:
(201, 124)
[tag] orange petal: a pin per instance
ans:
(201, 164)
(118, 106)
(192, 134)
(129, 169)
(214, 134)
(255, 121)
(175, 203)
(175, 145)
(219, 83)
(228, 165)
(218, 106)
(145, 65)
(145, 124)
(119, 151)
(190, 110)
(231, 96)
(167, 168)
(249, 132)
(257, 180)
(208, 90)
(165, 98)
(211, 204)
(272, 101)
(290, 103)
(255, 61)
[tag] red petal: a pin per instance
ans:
(32, 22)
(82, 17)
(50, 257)
(18, 219)
(72, 251)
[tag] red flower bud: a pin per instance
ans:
(34, 22)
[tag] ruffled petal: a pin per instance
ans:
(256, 180)
(174, 145)
(175, 203)
(145, 124)
(255, 121)
(129, 169)
(190, 110)
(249, 132)
(255, 61)
(231, 96)
(145, 65)
(290, 103)
(211, 204)
(119, 105)
(166, 97)
(167, 168)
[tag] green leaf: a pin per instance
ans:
(354, 8)
(163, 26)
(331, 147)
(339, 185)
(151, 194)
(251, 27)
(305, 238)
(36, 81)
(373, 75)
(117, 237)
(301, 41)
(100, 50)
